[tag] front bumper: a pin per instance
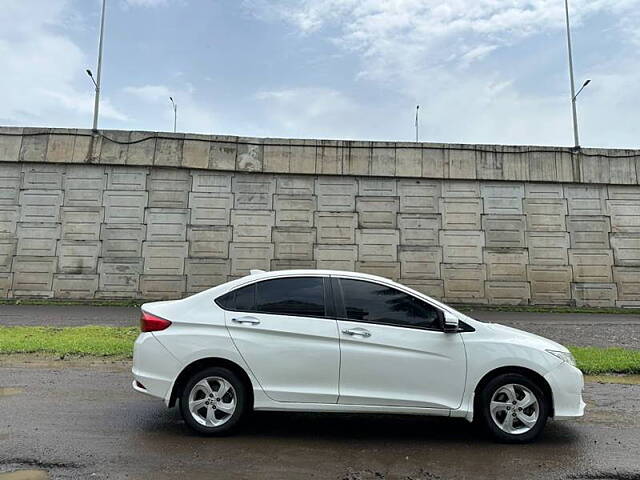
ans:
(566, 383)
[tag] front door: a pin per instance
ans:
(281, 330)
(393, 350)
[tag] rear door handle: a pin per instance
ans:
(246, 320)
(361, 332)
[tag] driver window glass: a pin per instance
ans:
(374, 303)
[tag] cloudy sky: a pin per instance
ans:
(483, 71)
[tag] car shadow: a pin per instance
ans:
(343, 427)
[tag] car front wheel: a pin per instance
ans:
(213, 401)
(513, 409)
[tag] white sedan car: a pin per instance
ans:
(329, 341)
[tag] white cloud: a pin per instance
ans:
(145, 3)
(42, 80)
(478, 53)
(153, 108)
(311, 112)
(432, 52)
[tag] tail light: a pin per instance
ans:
(151, 323)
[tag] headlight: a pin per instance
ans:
(564, 356)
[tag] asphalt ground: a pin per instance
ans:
(585, 329)
(65, 420)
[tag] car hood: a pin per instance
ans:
(525, 337)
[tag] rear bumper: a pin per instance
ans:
(154, 367)
(566, 384)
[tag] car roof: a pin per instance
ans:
(262, 275)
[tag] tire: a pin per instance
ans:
(509, 422)
(218, 409)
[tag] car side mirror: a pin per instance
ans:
(449, 323)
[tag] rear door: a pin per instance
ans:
(283, 331)
(394, 351)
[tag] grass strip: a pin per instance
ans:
(90, 340)
(594, 360)
(66, 303)
(547, 309)
(118, 341)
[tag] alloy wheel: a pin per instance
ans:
(212, 401)
(514, 408)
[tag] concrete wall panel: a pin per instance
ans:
(336, 227)
(504, 230)
(464, 283)
(294, 210)
(591, 265)
(166, 224)
(164, 258)
(336, 194)
(204, 273)
(419, 196)
(209, 241)
(169, 188)
(502, 198)
(124, 206)
(550, 284)
(210, 208)
(122, 240)
(81, 223)
(624, 215)
(548, 248)
(9, 215)
(462, 246)
(377, 245)
(626, 248)
(38, 239)
(377, 212)
(78, 256)
(419, 229)
(461, 213)
(336, 257)
(594, 294)
(507, 293)
(506, 264)
(588, 231)
(168, 216)
(10, 179)
(585, 199)
(247, 256)
(252, 225)
(75, 286)
(294, 243)
(545, 214)
(420, 262)
(40, 205)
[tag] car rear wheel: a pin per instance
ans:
(512, 408)
(213, 401)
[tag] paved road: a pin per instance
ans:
(571, 329)
(81, 422)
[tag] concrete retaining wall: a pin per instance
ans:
(84, 217)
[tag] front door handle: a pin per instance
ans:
(361, 332)
(246, 320)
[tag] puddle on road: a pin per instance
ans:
(25, 475)
(8, 391)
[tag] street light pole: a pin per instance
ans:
(417, 110)
(573, 87)
(175, 114)
(96, 105)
